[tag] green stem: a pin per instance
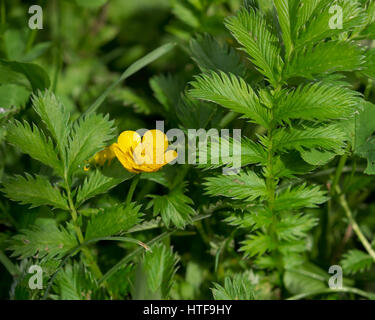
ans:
(356, 291)
(132, 189)
(12, 269)
(91, 261)
(227, 119)
(354, 224)
(338, 173)
(31, 39)
(368, 88)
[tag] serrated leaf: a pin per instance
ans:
(316, 101)
(33, 142)
(174, 208)
(257, 244)
(45, 239)
(113, 220)
(75, 282)
(231, 92)
(318, 27)
(238, 287)
(300, 197)
(355, 261)
(328, 138)
(245, 186)
(155, 273)
(325, 57)
(55, 117)
(36, 191)
(209, 54)
(250, 29)
(293, 227)
(99, 182)
(89, 135)
(223, 153)
(283, 13)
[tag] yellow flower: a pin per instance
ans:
(101, 158)
(143, 155)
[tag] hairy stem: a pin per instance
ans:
(354, 224)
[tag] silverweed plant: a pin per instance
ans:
(81, 219)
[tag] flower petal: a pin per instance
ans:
(128, 140)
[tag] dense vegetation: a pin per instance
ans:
(290, 74)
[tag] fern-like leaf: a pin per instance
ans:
(209, 55)
(32, 141)
(36, 191)
(55, 117)
(355, 261)
(174, 208)
(113, 220)
(324, 58)
(231, 92)
(245, 186)
(316, 101)
(300, 197)
(44, 240)
(89, 135)
(250, 29)
(239, 287)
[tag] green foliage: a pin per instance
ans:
(74, 282)
(237, 288)
(289, 198)
(355, 261)
(246, 186)
(35, 191)
(324, 58)
(231, 92)
(154, 276)
(329, 137)
(55, 117)
(44, 240)
(317, 101)
(305, 278)
(174, 208)
(114, 220)
(33, 142)
(37, 76)
(251, 30)
(209, 54)
(88, 136)
(221, 152)
(299, 197)
(363, 144)
(97, 183)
